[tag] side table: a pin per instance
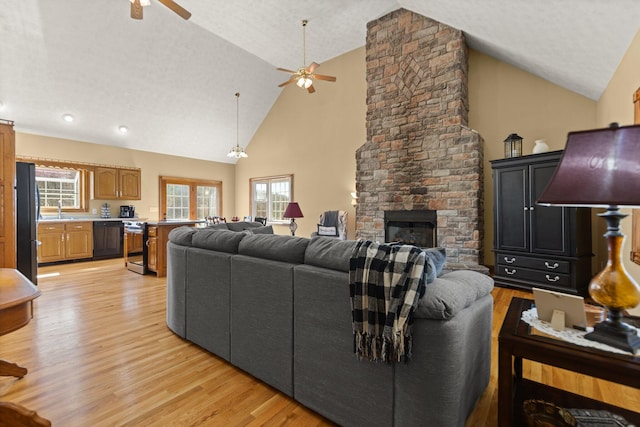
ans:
(516, 342)
(16, 310)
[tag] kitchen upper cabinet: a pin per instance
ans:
(64, 241)
(7, 193)
(116, 183)
(537, 246)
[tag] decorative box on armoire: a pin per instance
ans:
(537, 246)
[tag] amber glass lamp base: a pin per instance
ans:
(615, 290)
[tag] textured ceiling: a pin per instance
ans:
(172, 82)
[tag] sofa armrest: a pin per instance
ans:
(451, 293)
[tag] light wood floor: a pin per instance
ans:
(100, 354)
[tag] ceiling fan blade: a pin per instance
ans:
(311, 89)
(312, 67)
(286, 71)
(321, 77)
(136, 9)
(184, 13)
(291, 80)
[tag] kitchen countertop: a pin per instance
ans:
(87, 219)
(176, 222)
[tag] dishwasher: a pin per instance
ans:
(108, 239)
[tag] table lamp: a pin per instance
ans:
(293, 211)
(601, 169)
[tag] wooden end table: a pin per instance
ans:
(516, 342)
(16, 310)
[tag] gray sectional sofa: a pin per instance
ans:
(278, 308)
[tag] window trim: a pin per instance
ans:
(84, 192)
(269, 179)
(192, 183)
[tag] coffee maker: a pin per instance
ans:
(127, 211)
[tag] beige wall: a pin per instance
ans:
(314, 137)
(152, 165)
(503, 100)
(616, 105)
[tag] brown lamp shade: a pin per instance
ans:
(598, 168)
(293, 211)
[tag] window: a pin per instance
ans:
(270, 197)
(62, 183)
(183, 198)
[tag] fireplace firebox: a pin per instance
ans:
(418, 228)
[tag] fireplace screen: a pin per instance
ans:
(416, 228)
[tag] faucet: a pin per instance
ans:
(59, 209)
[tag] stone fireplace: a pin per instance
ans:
(420, 155)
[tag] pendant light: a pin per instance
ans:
(237, 151)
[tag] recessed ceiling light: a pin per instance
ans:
(123, 129)
(67, 118)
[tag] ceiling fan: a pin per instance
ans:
(137, 5)
(305, 75)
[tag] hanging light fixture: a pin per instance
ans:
(237, 151)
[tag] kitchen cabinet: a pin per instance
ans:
(158, 236)
(7, 195)
(152, 249)
(537, 246)
(65, 241)
(116, 183)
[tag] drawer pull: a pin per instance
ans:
(555, 279)
(551, 267)
(510, 273)
(510, 261)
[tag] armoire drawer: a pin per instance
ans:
(526, 274)
(552, 265)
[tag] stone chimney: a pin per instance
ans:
(419, 153)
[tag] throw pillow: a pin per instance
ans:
(261, 230)
(327, 231)
(436, 258)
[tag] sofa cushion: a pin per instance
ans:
(328, 252)
(451, 293)
(261, 230)
(273, 246)
(221, 226)
(182, 235)
(217, 240)
(243, 225)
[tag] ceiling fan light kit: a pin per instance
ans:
(305, 75)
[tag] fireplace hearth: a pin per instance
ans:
(416, 228)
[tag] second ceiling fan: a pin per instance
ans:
(305, 75)
(136, 8)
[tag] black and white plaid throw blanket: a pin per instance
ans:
(385, 282)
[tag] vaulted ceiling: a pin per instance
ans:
(172, 82)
